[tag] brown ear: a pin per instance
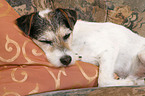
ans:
(70, 16)
(25, 23)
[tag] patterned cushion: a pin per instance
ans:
(24, 68)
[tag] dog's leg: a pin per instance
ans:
(138, 74)
(106, 70)
(137, 81)
(141, 56)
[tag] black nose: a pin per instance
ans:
(65, 60)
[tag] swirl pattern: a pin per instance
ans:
(24, 68)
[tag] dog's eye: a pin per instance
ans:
(45, 41)
(66, 37)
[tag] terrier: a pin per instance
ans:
(112, 47)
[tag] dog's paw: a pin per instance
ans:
(120, 82)
(140, 82)
(125, 82)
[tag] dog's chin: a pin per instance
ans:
(59, 64)
(55, 58)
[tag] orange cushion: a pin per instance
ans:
(24, 68)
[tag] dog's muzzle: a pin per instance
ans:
(65, 60)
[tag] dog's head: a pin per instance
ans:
(52, 32)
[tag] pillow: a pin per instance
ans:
(24, 68)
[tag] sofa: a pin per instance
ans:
(24, 69)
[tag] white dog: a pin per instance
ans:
(112, 47)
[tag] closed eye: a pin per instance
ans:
(66, 36)
(45, 41)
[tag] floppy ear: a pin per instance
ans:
(70, 17)
(25, 22)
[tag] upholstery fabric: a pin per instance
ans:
(129, 13)
(24, 68)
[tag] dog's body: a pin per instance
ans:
(112, 47)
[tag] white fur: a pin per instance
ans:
(58, 54)
(112, 47)
(43, 12)
(53, 53)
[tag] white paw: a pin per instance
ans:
(140, 82)
(121, 82)
(125, 82)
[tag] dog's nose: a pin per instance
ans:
(65, 60)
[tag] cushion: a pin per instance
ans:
(24, 68)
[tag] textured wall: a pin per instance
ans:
(129, 13)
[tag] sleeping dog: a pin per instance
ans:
(112, 47)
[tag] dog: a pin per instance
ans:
(64, 39)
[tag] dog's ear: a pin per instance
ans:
(25, 22)
(70, 17)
